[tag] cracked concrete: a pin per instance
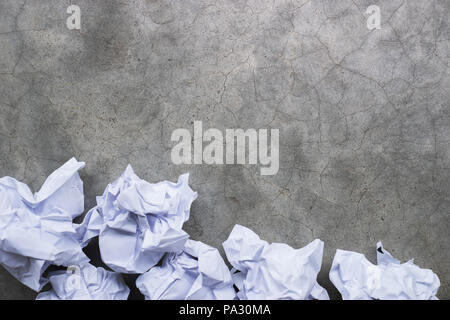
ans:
(364, 116)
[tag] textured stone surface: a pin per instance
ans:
(364, 116)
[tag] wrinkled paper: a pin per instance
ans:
(138, 222)
(36, 230)
(85, 283)
(139, 225)
(196, 273)
(356, 278)
(273, 271)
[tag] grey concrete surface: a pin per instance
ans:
(364, 115)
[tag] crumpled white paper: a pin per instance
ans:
(196, 273)
(273, 271)
(37, 230)
(356, 278)
(137, 222)
(85, 283)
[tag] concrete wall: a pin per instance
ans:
(364, 115)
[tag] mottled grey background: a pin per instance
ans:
(364, 116)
